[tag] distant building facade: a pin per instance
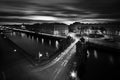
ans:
(60, 29)
(105, 28)
(51, 28)
(23, 26)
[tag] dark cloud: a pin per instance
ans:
(5, 14)
(110, 7)
(103, 7)
(66, 10)
(12, 21)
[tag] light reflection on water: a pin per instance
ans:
(42, 40)
(33, 45)
(32, 38)
(49, 42)
(101, 65)
(37, 39)
(95, 54)
(23, 34)
(14, 33)
(111, 59)
(92, 53)
(88, 54)
(57, 44)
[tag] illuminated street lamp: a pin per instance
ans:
(73, 74)
(40, 55)
(14, 50)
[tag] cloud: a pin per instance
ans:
(67, 11)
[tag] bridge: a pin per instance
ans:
(38, 34)
(44, 35)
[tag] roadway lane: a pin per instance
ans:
(58, 67)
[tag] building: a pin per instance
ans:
(104, 28)
(51, 28)
(23, 26)
(60, 29)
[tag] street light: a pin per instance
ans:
(73, 74)
(40, 55)
(14, 50)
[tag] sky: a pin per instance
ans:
(63, 11)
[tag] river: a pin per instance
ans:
(37, 47)
(101, 65)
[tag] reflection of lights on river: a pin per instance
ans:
(29, 37)
(11, 33)
(22, 34)
(95, 54)
(49, 42)
(42, 40)
(47, 54)
(14, 50)
(57, 44)
(14, 33)
(40, 55)
(5, 37)
(111, 59)
(88, 54)
(32, 37)
(37, 39)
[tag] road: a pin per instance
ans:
(19, 68)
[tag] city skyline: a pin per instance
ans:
(63, 11)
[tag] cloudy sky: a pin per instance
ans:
(66, 11)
